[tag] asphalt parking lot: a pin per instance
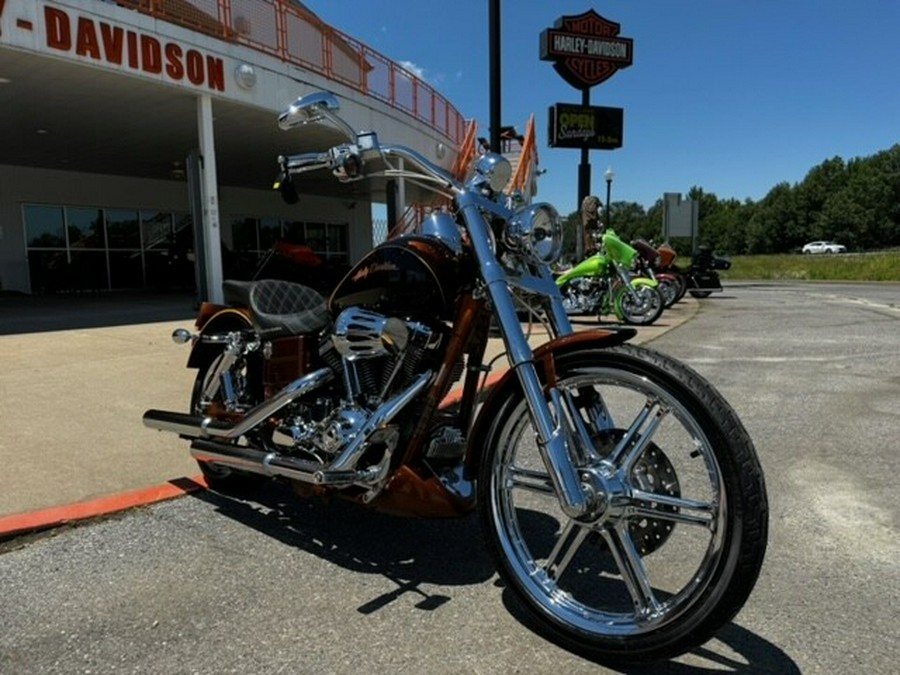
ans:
(211, 584)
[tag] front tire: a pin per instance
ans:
(669, 290)
(641, 306)
(679, 547)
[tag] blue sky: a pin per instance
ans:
(733, 96)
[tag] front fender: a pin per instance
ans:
(644, 281)
(544, 358)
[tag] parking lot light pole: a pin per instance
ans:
(609, 175)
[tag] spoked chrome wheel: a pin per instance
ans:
(669, 290)
(641, 306)
(652, 570)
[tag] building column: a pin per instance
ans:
(212, 239)
(401, 193)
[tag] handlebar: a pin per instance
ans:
(306, 161)
(433, 171)
(346, 161)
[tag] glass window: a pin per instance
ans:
(315, 237)
(126, 269)
(49, 271)
(88, 269)
(85, 227)
(295, 232)
(243, 234)
(337, 239)
(157, 269)
(269, 232)
(44, 226)
(184, 233)
(122, 229)
(156, 230)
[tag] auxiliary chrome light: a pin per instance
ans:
(537, 231)
(494, 169)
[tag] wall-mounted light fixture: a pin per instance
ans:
(245, 76)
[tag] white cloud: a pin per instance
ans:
(411, 67)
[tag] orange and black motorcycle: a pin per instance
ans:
(620, 495)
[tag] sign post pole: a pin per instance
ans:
(584, 180)
(586, 50)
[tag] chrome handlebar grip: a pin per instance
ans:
(306, 161)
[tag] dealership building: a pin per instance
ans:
(139, 140)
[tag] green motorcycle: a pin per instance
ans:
(603, 283)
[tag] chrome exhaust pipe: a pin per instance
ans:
(232, 456)
(185, 425)
(213, 447)
(266, 463)
(195, 426)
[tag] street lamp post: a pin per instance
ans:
(609, 175)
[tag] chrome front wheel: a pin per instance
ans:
(640, 305)
(677, 535)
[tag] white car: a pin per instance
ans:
(824, 247)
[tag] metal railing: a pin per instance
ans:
(287, 31)
(524, 178)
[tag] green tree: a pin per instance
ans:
(774, 222)
(629, 220)
(571, 227)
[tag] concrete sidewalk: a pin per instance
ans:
(77, 374)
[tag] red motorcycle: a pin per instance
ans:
(650, 264)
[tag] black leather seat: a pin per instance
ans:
(237, 293)
(287, 307)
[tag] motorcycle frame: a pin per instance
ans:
(563, 450)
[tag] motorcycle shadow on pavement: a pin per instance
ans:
(733, 650)
(407, 551)
(412, 553)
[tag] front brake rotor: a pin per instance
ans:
(653, 472)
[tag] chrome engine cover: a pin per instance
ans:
(360, 333)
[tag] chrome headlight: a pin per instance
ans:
(536, 231)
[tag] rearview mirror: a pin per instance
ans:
(310, 108)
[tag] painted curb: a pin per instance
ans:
(45, 519)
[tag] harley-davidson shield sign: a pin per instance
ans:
(586, 49)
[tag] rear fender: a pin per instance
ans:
(223, 320)
(544, 358)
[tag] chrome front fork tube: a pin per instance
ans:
(625, 278)
(554, 440)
